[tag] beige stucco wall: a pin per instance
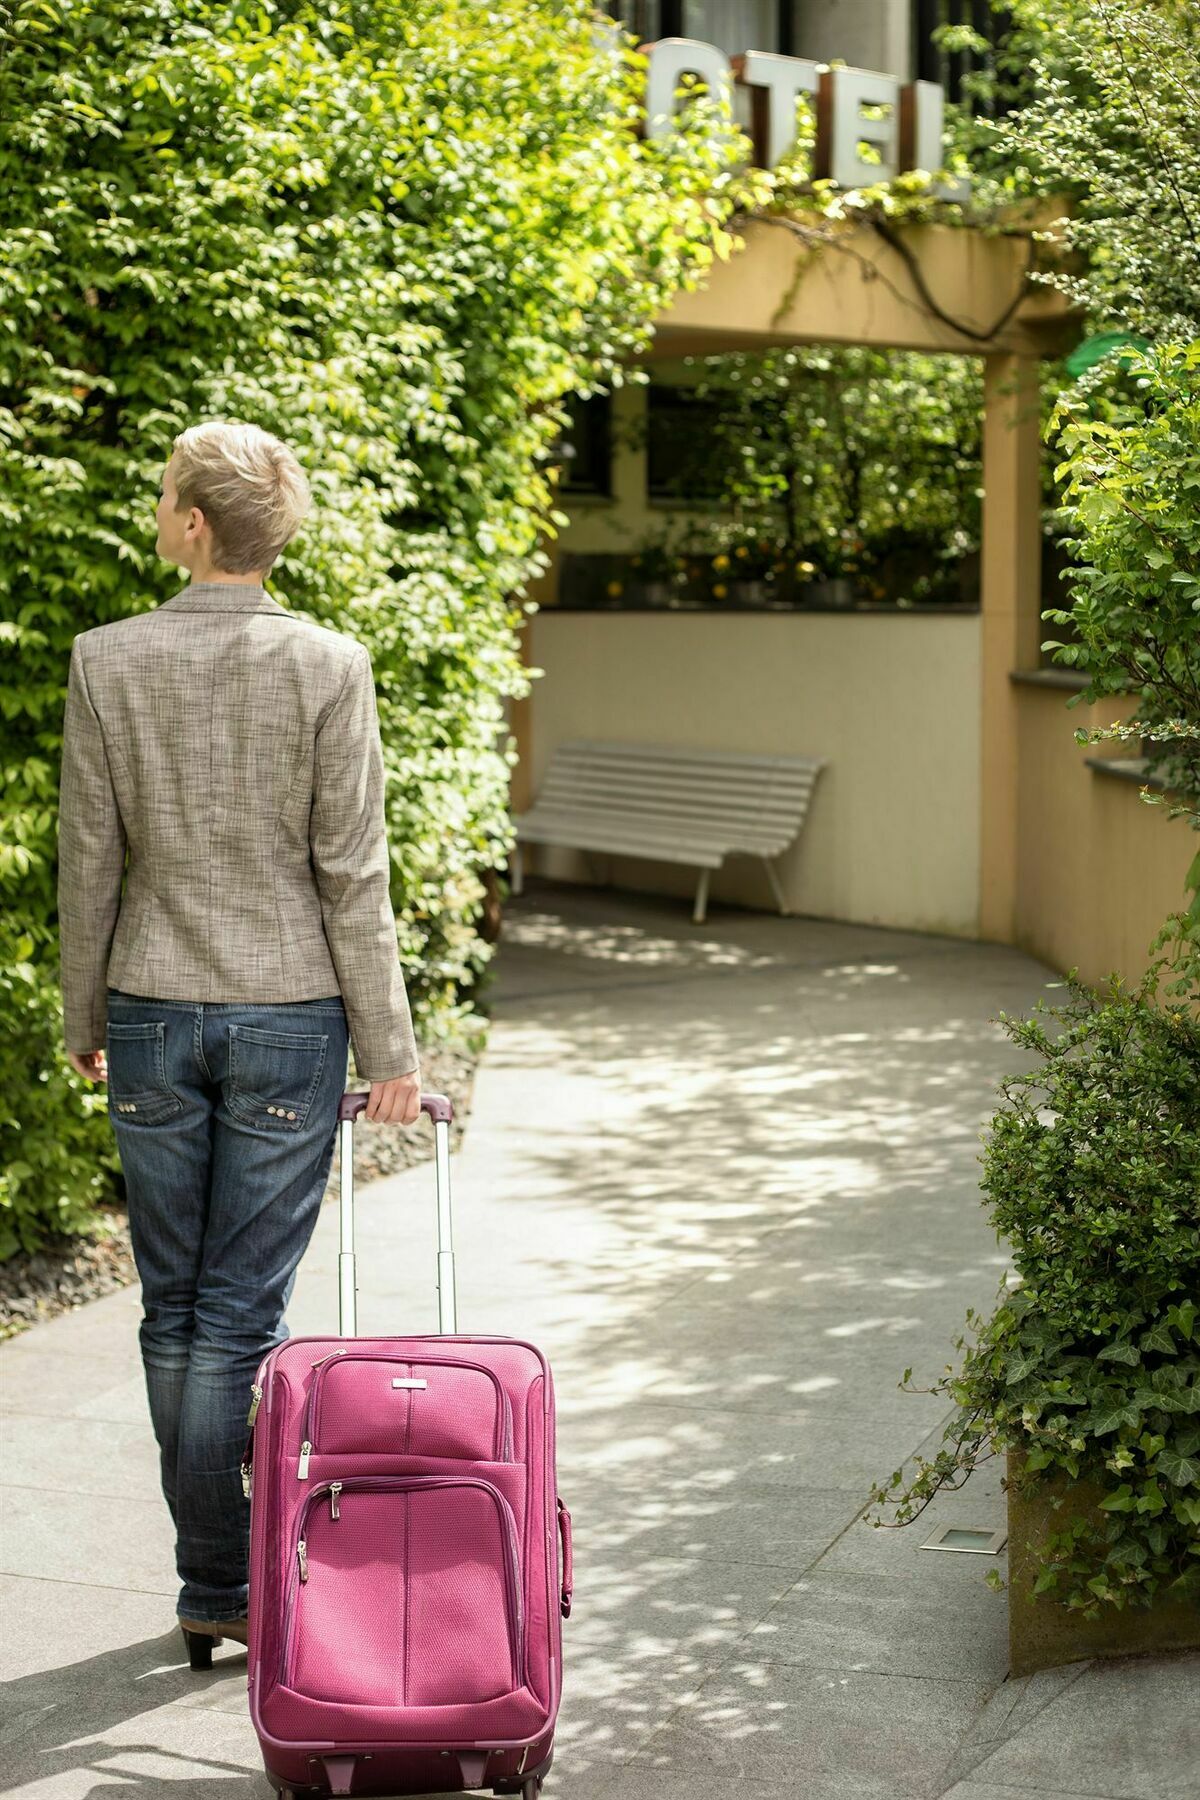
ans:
(1098, 870)
(891, 702)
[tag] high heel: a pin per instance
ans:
(202, 1636)
(200, 1645)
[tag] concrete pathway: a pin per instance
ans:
(726, 1177)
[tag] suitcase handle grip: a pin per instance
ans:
(436, 1105)
(564, 1526)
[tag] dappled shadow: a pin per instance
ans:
(768, 1133)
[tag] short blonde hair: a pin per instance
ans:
(249, 486)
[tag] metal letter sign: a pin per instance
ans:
(903, 129)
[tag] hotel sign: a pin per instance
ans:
(903, 128)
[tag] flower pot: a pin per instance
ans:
(753, 592)
(1042, 1633)
(655, 593)
(837, 592)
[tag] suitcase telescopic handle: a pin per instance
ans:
(441, 1112)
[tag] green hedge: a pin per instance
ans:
(395, 234)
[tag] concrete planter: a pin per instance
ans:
(1041, 1632)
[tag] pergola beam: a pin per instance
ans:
(854, 287)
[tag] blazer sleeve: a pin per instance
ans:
(91, 863)
(348, 842)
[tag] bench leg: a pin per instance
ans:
(700, 909)
(776, 884)
(516, 870)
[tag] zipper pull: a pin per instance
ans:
(302, 1559)
(256, 1394)
(328, 1357)
(335, 1488)
(302, 1466)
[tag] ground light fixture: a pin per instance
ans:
(976, 1540)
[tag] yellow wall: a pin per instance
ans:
(1098, 870)
(892, 702)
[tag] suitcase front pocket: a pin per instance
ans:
(405, 1591)
(360, 1403)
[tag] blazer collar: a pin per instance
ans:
(222, 596)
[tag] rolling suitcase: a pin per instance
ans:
(406, 1594)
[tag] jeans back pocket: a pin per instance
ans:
(138, 1090)
(273, 1075)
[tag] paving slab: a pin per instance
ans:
(793, 1725)
(831, 1619)
(1126, 1729)
(726, 1178)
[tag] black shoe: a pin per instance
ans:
(202, 1635)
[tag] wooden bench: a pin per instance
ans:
(683, 806)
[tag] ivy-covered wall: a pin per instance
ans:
(395, 234)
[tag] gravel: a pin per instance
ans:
(68, 1272)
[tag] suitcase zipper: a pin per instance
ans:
(312, 1415)
(402, 1483)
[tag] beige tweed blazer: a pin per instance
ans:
(231, 751)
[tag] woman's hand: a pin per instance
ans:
(396, 1102)
(91, 1064)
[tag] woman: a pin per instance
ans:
(230, 751)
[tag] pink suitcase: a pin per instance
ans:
(406, 1596)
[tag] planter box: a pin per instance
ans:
(1041, 1632)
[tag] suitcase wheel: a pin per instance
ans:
(531, 1787)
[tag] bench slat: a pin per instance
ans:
(613, 751)
(564, 828)
(647, 828)
(723, 803)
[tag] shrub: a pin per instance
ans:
(1091, 1362)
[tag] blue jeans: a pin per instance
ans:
(225, 1119)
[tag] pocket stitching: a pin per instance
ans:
(136, 1031)
(286, 1040)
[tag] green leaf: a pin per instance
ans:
(1184, 1471)
(1159, 1338)
(1111, 1415)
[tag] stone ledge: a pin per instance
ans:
(1127, 768)
(1049, 678)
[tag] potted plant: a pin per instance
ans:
(756, 567)
(746, 567)
(1087, 1376)
(842, 559)
(658, 571)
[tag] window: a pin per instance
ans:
(586, 446)
(680, 432)
(647, 19)
(733, 25)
